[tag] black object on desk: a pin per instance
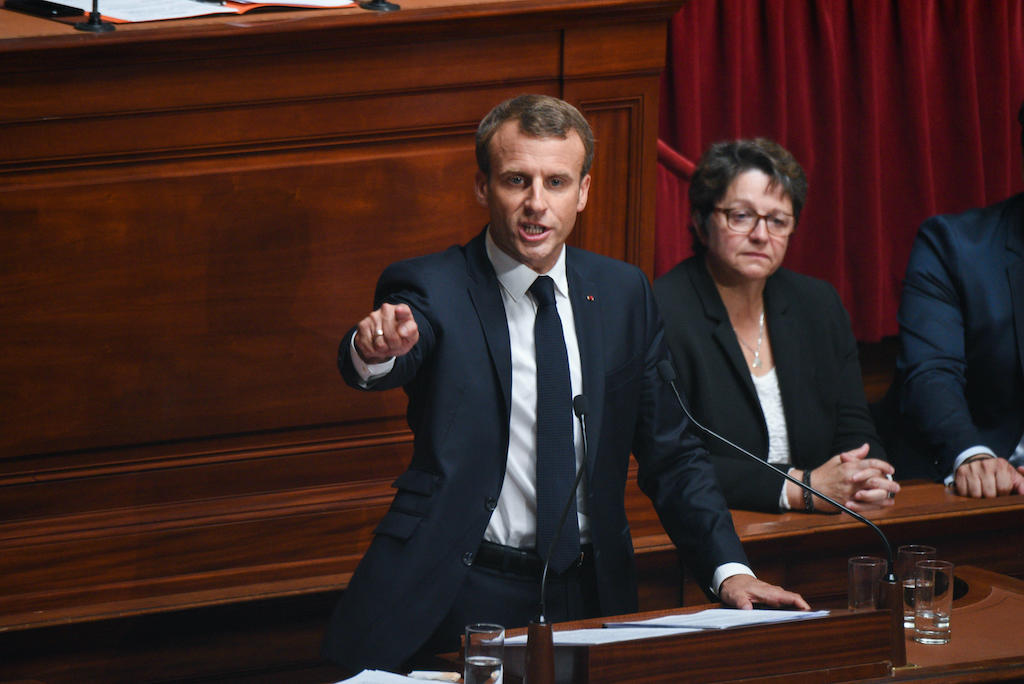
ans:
(43, 8)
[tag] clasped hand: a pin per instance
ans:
(860, 483)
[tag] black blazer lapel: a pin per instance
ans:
(485, 292)
(787, 348)
(585, 297)
(722, 332)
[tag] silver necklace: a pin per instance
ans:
(760, 338)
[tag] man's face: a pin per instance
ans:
(533, 193)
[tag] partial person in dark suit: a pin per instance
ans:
(766, 356)
(962, 350)
(456, 330)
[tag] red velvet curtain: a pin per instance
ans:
(897, 109)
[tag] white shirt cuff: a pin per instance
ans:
(783, 499)
(727, 570)
(369, 371)
(964, 455)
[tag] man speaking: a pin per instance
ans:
(492, 341)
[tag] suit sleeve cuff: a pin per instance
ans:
(964, 455)
(368, 372)
(727, 570)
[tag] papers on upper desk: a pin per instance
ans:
(722, 618)
(379, 677)
(712, 618)
(158, 10)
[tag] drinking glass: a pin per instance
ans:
(907, 558)
(865, 582)
(484, 650)
(933, 602)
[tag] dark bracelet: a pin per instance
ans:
(808, 497)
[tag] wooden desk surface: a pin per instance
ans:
(21, 31)
(985, 645)
(808, 553)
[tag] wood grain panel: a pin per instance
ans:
(209, 303)
(193, 214)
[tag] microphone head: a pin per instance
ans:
(666, 371)
(579, 405)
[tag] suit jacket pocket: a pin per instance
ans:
(410, 505)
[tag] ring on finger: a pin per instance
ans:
(380, 332)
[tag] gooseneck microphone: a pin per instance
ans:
(892, 597)
(540, 660)
(668, 374)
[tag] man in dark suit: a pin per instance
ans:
(468, 530)
(962, 337)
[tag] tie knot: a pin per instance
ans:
(543, 291)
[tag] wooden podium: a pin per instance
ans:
(843, 646)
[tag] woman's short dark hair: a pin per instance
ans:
(724, 161)
(541, 116)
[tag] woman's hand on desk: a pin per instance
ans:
(854, 479)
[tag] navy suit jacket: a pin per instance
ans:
(962, 338)
(458, 380)
(815, 360)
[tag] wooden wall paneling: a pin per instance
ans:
(193, 215)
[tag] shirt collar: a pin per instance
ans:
(516, 278)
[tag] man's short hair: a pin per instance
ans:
(541, 116)
(724, 161)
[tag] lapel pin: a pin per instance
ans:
(590, 298)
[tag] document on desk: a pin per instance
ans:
(721, 618)
(378, 677)
(591, 637)
(159, 10)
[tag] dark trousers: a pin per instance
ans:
(512, 600)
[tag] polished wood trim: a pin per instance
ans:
(840, 647)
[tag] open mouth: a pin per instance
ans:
(533, 230)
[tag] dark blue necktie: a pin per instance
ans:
(556, 456)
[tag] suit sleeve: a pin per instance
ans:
(676, 473)
(933, 361)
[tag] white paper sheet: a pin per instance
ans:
(158, 10)
(722, 618)
(589, 637)
(378, 677)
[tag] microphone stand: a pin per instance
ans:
(540, 646)
(891, 589)
(95, 23)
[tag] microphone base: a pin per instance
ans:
(892, 596)
(540, 654)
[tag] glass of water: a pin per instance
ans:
(484, 653)
(933, 602)
(907, 558)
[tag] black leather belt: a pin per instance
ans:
(524, 562)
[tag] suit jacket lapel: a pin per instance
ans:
(786, 340)
(585, 296)
(1015, 271)
(722, 332)
(485, 292)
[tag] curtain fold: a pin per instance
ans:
(897, 109)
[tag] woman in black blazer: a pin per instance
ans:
(765, 356)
